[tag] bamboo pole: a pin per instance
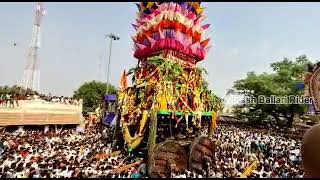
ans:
(152, 132)
(117, 129)
(210, 128)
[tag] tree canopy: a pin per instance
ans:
(16, 90)
(92, 94)
(281, 82)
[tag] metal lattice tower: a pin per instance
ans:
(31, 77)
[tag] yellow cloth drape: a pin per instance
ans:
(249, 170)
(163, 102)
(214, 120)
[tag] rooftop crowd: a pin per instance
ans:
(12, 100)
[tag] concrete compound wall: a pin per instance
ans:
(36, 112)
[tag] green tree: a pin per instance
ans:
(92, 94)
(281, 82)
(17, 90)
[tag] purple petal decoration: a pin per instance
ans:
(161, 7)
(135, 47)
(146, 42)
(152, 41)
(144, 20)
(206, 50)
(173, 6)
(179, 36)
(189, 39)
(189, 7)
(169, 33)
(201, 18)
(166, 6)
(204, 27)
(173, 34)
(161, 34)
(184, 5)
(156, 36)
(196, 20)
(149, 16)
(183, 11)
(135, 26)
(186, 41)
(194, 47)
(138, 5)
(151, 11)
(140, 46)
(134, 39)
(143, 15)
(156, 12)
(178, 8)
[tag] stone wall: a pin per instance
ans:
(40, 113)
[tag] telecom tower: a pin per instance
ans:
(31, 77)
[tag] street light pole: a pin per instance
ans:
(109, 67)
(112, 37)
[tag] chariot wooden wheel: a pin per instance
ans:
(201, 152)
(167, 156)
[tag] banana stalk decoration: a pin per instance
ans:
(197, 113)
(134, 142)
(162, 99)
(143, 122)
(163, 102)
(196, 97)
(214, 120)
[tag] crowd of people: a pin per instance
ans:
(9, 100)
(12, 100)
(61, 99)
(270, 126)
(64, 153)
(238, 147)
(67, 153)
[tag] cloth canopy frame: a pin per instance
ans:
(110, 98)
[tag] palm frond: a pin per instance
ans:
(202, 70)
(156, 60)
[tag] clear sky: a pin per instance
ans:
(245, 37)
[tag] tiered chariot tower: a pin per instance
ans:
(168, 108)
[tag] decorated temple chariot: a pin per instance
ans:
(168, 112)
